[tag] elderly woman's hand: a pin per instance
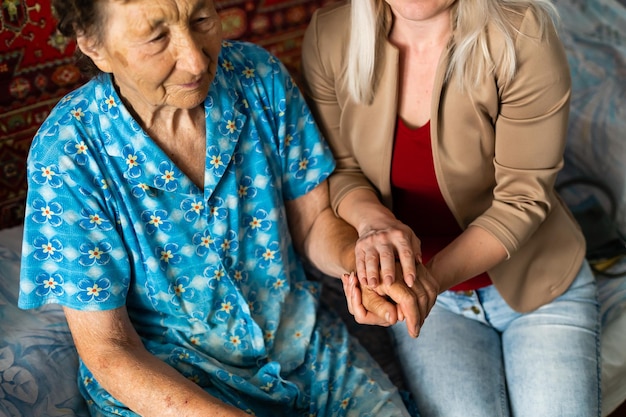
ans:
(367, 305)
(387, 304)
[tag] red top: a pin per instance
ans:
(417, 199)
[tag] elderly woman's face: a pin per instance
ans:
(161, 52)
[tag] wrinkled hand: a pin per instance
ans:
(380, 311)
(380, 247)
(387, 304)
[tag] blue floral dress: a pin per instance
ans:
(209, 276)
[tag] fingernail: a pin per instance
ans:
(388, 280)
(417, 330)
(411, 281)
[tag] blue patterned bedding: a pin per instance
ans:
(594, 35)
(38, 360)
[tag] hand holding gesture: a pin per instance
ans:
(386, 304)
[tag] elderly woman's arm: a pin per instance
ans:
(112, 350)
(325, 240)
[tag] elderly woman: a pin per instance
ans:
(448, 122)
(170, 198)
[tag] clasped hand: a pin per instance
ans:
(407, 292)
(388, 303)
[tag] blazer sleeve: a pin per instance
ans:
(323, 66)
(530, 136)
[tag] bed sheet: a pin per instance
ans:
(594, 35)
(38, 361)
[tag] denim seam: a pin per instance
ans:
(504, 404)
(598, 360)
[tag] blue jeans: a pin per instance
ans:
(475, 356)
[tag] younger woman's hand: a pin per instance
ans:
(380, 247)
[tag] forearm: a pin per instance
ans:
(157, 389)
(362, 209)
(321, 237)
(118, 360)
(472, 253)
(330, 244)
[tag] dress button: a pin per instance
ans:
(476, 310)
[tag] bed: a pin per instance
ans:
(37, 357)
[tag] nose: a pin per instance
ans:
(191, 54)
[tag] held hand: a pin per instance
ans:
(387, 304)
(415, 302)
(367, 305)
(425, 291)
(379, 248)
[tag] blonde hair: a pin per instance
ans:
(470, 59)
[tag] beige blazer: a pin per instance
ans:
(497, 151)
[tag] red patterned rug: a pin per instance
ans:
(36, 70)
(278, 25)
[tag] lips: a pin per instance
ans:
(193, 84)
